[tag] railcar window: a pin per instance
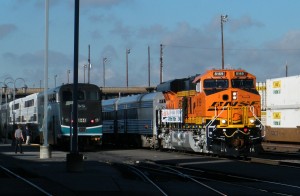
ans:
(29, 103)
(242, 83)
(16, 106)
(216, 83)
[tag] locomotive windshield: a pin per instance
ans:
(68, 96)
(82, 95)
(92, 95)
(242, 83)
(216, 83)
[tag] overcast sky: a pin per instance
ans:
(259, 36)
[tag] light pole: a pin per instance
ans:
(55, 76)
(127, 52)
(223, 19)
(1, 106)
(104, 61)
(84, 67)
(68, 75)
(89, 64)
(1, 94)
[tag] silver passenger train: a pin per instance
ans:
(22, 111)
(132, 120)
(29, 111)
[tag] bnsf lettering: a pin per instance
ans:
(228, 103)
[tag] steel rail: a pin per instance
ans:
(26, 181)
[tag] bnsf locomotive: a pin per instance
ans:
(217, 112)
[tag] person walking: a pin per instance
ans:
(28, 134)
(19, 139)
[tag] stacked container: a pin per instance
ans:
(283, 109)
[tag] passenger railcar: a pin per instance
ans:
(132, 120)
(59, 114)
(24, 113)
(29, 111)
(21, 111)
(5, 130)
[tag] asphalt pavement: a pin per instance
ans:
(95, 177)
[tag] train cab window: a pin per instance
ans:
(81, 95)
(91, 95)
(242, 83)
(198, 87)
(67, 96)
(216, 83)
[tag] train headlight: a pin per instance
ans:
(234, 95)
(223, 121)
(67, 120)
(252, 121)
(97, 120)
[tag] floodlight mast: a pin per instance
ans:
(223, 19)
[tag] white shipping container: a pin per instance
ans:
(283, 118)
(283, 93)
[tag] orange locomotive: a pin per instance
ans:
(217, 112)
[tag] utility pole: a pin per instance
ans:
(161, 63)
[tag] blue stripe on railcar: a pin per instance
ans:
(88, 131)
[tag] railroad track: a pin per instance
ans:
(20, 182)
(177, 180)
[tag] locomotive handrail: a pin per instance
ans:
(215, 117)
(228, 136)
(253, 113)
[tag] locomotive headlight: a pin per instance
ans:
(223, 121)
(67, 120)
(97, 120)
(252, 121)
(234, 95)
